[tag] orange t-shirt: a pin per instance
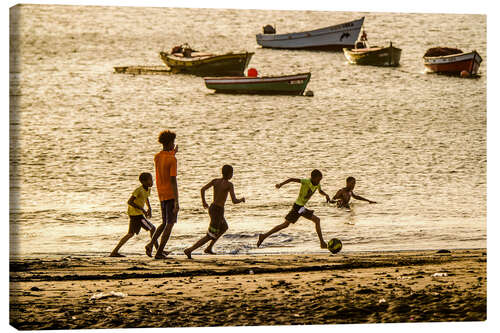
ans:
(166, 167)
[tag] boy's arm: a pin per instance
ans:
(289, 180)
(173, 181)
(133, 204)
(361, 198)
(325, 195)
(337, 195)
(149, 208)
(203, 189)
(233, 196)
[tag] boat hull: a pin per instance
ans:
(454, 64)
(332, 38)
(233, 64)
(387, 56)
(276, 85)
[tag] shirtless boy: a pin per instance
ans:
(343, 196)
(307, 188)
(218, 225)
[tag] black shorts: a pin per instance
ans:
(298, 211)
(137, 222)
(167, 211)
(218, 223)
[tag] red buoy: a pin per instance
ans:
(464, 73)
(252, 72)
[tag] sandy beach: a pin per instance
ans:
(370, 287)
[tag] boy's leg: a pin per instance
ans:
(316, 221)
(272, 231)
(122, 241)
(210, 246)
(196, 245)
(170, 218)
(154, 240)
(159, 230)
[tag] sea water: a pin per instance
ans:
(81, 134)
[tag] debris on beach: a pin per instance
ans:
(107, 295)
(439, 274)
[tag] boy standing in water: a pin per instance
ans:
(343, 196)
(166, 185)
(218, 225)
(307, 189)
(137, 214)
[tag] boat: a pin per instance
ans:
(137, 70)
(375, 56)
(452, 61)
(280, 85)
(183, 59)
(332, 38)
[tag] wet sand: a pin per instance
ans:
(77, 292)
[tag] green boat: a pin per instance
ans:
(276, 85)
(374, 56)
(183, 59)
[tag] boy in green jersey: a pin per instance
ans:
(307, 189)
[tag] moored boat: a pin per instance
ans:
(332, 38)
(280, 85)
(452, 61)
(206, 64)
(375, 56)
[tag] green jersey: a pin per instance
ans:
(307, 189)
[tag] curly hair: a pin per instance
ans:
(166, 137)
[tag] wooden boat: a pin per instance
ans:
(137, 70)
(206, 64)
(279, 85)
(375, 56)
(456, 63)
(332, 38)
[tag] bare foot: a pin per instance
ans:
(116, 255)
(161, 256)
(149, 250)
(261, 239)
(207, 251)
(323, 245)
(188, 253)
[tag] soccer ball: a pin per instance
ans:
(334, 245)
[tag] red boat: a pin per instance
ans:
(458, 63)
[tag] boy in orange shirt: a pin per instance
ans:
(166, 185)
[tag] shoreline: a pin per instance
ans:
(235, 290)
(198, 253)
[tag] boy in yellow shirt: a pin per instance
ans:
(137, 213)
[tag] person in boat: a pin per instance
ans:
(343, 196)
(362, 42)
(166, 186)
(308, 187)
(218, 225)
(137, 213)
